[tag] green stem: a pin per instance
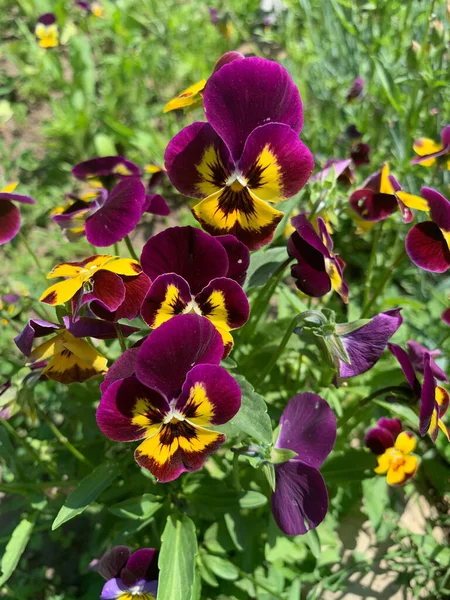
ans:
(120, 337)
(276, 355)
(236, 479)
(258, 584)
(373, 255)
(116, 249)
(33, 255)
(130, 248)
(62, 438)
(387, 276)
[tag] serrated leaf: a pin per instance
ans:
(15, 548)
(400, 410)
(86, 492)
(177, 559)
(139, 508)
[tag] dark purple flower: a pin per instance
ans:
(129, 575)
(106, 166)
(360, 154)
(427, 243)
(356, 90)
(10, 214)
(176, 390)
(247, 154)
(383, 436)
(352, 132)
(317, 269)
(300, 500)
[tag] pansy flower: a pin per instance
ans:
(246, 155)
(378, 439)
(428, 243)
(359, 153)
(105, 218)
(192, 96)
(176, 391)
(339, 169)
(9, 213)
(381, 195)
(95, 8)
(356, 89)
(47, 31)
(429, 151)
(68, 357)
(318, 269)
(397, 462)
(434, 400)
(115, 287)
(192, 271)
(129, 576)
(416, 354)
(107, 169)
(308, 428)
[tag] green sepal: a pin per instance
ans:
(281, 455)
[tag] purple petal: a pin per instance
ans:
(379, 439)
(394, 426)
(366, 344)
(156, 205)
(445, 316)
(171, 351)
(238, 257)
(308, 427)
(114, 588)
(122, 368)
(439, 207)
(227, 58)
(427, 248)
(246, 94)
(416, 353)
(106, 165)
(9, 221)
(101, 330)
(136, 288)
(47, 19)
(142, 564)
(356, 89)
(406, 367)
(34, 328)
(427, 397)
(168, 296)
(339, 166)
(373, 206)
(360, 154)
(307, 232)
(108, 290)
(309, 271)
(113, 561)
(445, 136)
(187, 251)
(119, 215)
(420, 159)
(300, 500)
(10, 197)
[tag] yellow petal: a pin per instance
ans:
(65, 270)
(85, 352)
(123, 266)
(405, 443)
(212, 172)
(385, 184)
(47, 350)
(411, 464)
(270, 186)
(61, 292)
(412, 201)
(10, 187)
(444, 429)
(198, 409)
(396, 476)
(69, 368)
(384, 462)
(187, 97)
(425, 146)
(151, 169)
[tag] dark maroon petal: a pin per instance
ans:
(189, 169)
(246, 94)
(309, 271)
(9, 196)
(221, 390)
(108, 290)
(156, 205)
(293, 159)
(372, 206)
(406, 367)
(47, 19)
(142, 564)
(9, 221)
(445, 316)
(339, 166)
(113, 561)
(307, 232)
(379, 439)
(136, 287)
(366, 344)
(171, 351)
(168, 296)
(119, 215)
(300, 500)
(416, 353)
(187, 251)
(394, 426)
(308, 427)
(33, 329)
(427, 397)
(360, 154)
(356, 89)
(439, 207)
(238, 257)
(101, 330)
(234, 301)
(106, 165)
(227, 58)
(118, 406)
(427, 248)
(122, 368)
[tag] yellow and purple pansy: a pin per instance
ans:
(166, 393)
(192, 271)
(95, 8)
(434, 399)
(430, 151)
(248, 153)
(114, 287)
(10, 214)
(397, 462)
(428, 243)
(47, 31)
(129, 576)
(109, 167)
(308, 428)
(383, 435)
(318, 269)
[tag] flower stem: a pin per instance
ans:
(131, 250)
(120, 337)
(62, 438)
(373, 255)
(33, 255)
(276, 355)
(387, 276)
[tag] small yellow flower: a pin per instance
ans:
(398, 463)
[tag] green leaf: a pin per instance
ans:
(353, 465)
(263, 264)
(400, 410)
(83, 66)
(139, 508)
(252, 499)
(234, 525)
(221, 567)
(313, 541)
(104, 145)
(269, 472)
(177, 559)
(252, 419)
(376, 499)
(86, 492)
(15, 548)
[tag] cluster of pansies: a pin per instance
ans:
(168, 390)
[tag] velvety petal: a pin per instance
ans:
(416, 353)
(108, 290)
(168, 296)
(427, 248)
(47, 19)
(130, 411)
(439, 208)
(33, 329)
(106, 165)
(112, 562)
(309, 271)
(275, 163)
(224, 303)
(308, 427)
(300, 500)
(135, 290)
(360, 154)
(246, 94)
(406, 367)
(197, 161)
(427, 397)
(101, 330)
(445, 316)
(119, 215)
(113, 589)
(171, 351)
(366, 344)
(227, 58)
(122, 368)
(142, 564)
(156, 205)
(238, 257)
(372, 206)
(445, 136)
(188, 252)
(9, 221)
(10, 197)
(379, 439)
(307, 232)
(210, 396)
(60, 293)
(394, 426)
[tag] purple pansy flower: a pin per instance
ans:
(356, 89)
(9, 213)
(383, 436)
(47, 31)
(129, 575)
(317, 269)
(428, 243)
(176, 391)
(429, 151)
(300, 500)
(416, 353)
(246, 155)
(193, 271)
